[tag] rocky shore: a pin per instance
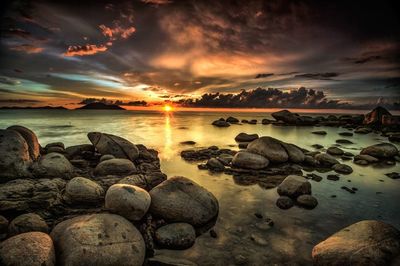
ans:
(105, 203)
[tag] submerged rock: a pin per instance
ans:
(175, 236)
(115, 167)
(14, 155)
(28, 249)
(53, 165)
(364, 243)
(31, 139)
(178, 199)
(307, 201)
(284, 202)
(80, 190)
(294, 186)
(249, 160)
(114, 145)
(321, 132)
(128, 201)
(28, 222)
(326, 160)
(98, 239)
(270, 148)
(381, 150)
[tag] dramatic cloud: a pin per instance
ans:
(88, 49)
(27, 48)
(321, 76)
(260, 76)
(114, 33)
(117, 102)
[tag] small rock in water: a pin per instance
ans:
(347, 134)
(284, 202)
(361, 162)
(333, 177)
(315, 177)
(319, 132)
(393, 175)
(342, 168)
(317, 146)
(335, 151)
(188, 142)
(348, 189)
(307, 201)
(344, 141)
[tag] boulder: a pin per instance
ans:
(232, 120)
(28, 222)
(366, 242)
(98, 239)
(114, 145)
(215, 164)
(178, 199)
(307, 201)
(146, 182)
(295, 154)
(220, 123)
(25, 195)
(270, 148)
(294, 186)
(106, 157)
(244, 137)
(284, 202)
(175, 236)
(249, 160)
(28, 249)
(374, 118)
(326, 160)
(3, 227)
(342, 168)
(14, 155)
(115, 167)
(285, 116)
(365, 157)
(381, 150)
(31, 140)
(334, 151)
(78, 150)
(128, 201)
(53, 165)
(80, 190)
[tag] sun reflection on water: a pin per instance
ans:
(167, 152)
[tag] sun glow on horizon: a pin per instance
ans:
(167, 108)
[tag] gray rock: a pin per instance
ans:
(284, 202)
(381, 150)
(146, 182)
(53, 165)
(176, 236)
(78, 150)
(28, 222)
(106, 157)
(361, 162)
(215, 164)
(342, 168)
(326, 160)
(114, 145)
(25, 195)
(115, 167)
(346, 134)
(178, 199)
(225, 158)
(367, 242)
(55, 149)
(294, 152)
(30, 138)
(128, 201)
(244, 137)
(270, 148)
(55, 144)
(307, 201)
(14, 155)
(220, 123)
(334, 151)
(98, 239)
(294, 186)
(232, 120)
(249, 160)
(80, 190)
(28, 249)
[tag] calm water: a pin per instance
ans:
(296, 230)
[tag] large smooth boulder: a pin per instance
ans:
(30, 138)
(249, 160)
(28, 249)
(375, 116)
(294, 186)
(270, 148)
(285, 116)
(98, 239)
(80, 190)
(147, 181)
(26, 195)
(128, 201)
(244, 137)
(115, 167)
(53, 165)
(28, 222)
(178, 199)
(14, 155)
(381, 150)
(326, 160)
(367, 242)
(294, 152)
(111, 144)
(175, 236)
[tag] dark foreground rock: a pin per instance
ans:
(176, 236)
(364, 243)
(28, 222)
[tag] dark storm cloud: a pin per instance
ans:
(265, 75)
(321, 76)
(18, 101)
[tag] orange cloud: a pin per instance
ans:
(118, 31)
(88, 49)
(27, 48)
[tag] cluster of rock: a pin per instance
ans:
(105, 203)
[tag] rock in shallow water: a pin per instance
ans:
(176, 236)
(28, 222)
(178, 199)
(307, 201)
(270, 148)
(334, 151)
(381, 150)
(326, 160)
(128, 201)
(294, 186)
(244, 137)
(28, 249)
(342, 168)
(98, 239)
(364, 243)
(249, 160)
(284, 202)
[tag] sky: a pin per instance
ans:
(306, 54)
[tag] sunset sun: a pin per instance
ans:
(167, 108)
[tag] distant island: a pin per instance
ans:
(33, 108)
(100, 106)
